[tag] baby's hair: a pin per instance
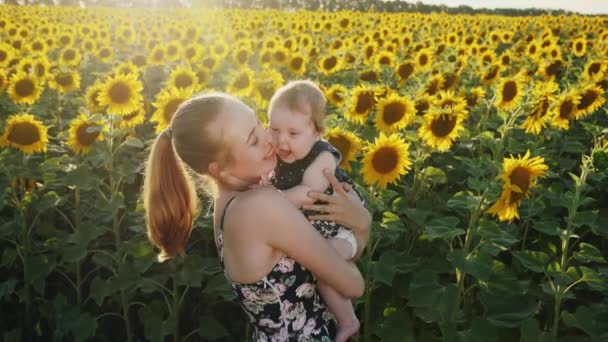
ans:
(303, 96)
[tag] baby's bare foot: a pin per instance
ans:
(346, 330)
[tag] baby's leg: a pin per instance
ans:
(341, 307)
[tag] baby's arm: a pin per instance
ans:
(313, 180)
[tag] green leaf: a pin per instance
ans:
(490, 231)
(211, 329)
(396, 326)
(73, 253)
(100, 289)
(547, 226)
(463, 201)
(588, 253)
(595, 280)
(218, 285)
(435, 175)
(189, 273)
(588, 321)
(37, 268)
(586, 218)
(481, 331)
(507, 311)
(419, 216)
(391, 263)
(82, 177)
(532, 260)
(478, 265)
(134, 142)
(443, 228)
(530, 332)
(7, 287)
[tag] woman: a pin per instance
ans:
(269, 250)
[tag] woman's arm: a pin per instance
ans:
(345, 208)
(282, 226)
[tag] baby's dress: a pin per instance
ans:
(288, 175)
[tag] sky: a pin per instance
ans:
(581, 6)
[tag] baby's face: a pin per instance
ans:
(293, 133)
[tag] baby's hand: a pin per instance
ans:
(298, 195)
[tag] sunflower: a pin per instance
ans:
(519, 176)
(133, 119)
(394, 113)
(297, 64)
(41, 68)
(167, 102)
(242, 83)
(540, 114)
(404, 71)
(173, 51)
(595, 70)
(369, 75)
(92, 96)
(533, 49)
(491, 73)
(441, 127)
(64, 81)
(139, 60)
(7, 53)
(265, 85)
(384, 59)
(38, 47)
(329, 64)
(105, 54)
(551, 69)
(70, 56)
(183, 77)
(220, 49)
(24, 88)
(83, 134)
(157, 56)
(336, 94)
(386, 160)
(424, 59)
(3, 81)
(121, 94)
(241, 56)
(434, 84)
(362, 102)
(474, 96)
(579, 47)
(369, 51)
(509, 92)
(346, 142)
(423, 104)
(591, 98)
(89, 46)
(210, 63)
(566, 109)
(25, 133)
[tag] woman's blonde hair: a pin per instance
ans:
(303, 96)
(169, 194)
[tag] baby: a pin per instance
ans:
(295, 117)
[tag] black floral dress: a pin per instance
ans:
(288, 175)
(285, 304)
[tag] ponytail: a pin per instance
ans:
(169, 199)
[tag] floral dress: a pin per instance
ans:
(285, 304)
(288, 175)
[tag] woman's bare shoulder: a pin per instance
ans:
(256, 203)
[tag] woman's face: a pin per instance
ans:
(249, 142)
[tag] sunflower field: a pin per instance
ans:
(479, 141)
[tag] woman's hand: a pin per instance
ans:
(343, 207)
